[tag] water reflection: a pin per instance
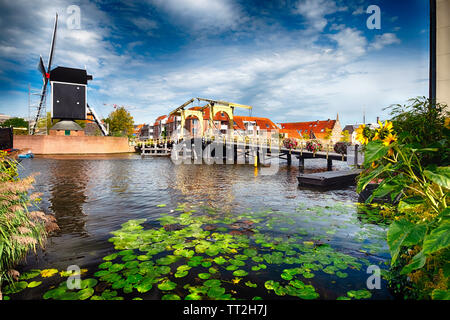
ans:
(68, 180)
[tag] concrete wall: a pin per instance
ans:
(72, 145)
(443, 51)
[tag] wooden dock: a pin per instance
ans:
(329, 179)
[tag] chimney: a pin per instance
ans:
(378, 119)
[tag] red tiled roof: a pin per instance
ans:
(317, 127)
(262, 123)
(159, 119)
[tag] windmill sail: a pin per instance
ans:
(45, 75)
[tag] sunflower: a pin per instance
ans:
(360, 134)
(384, 130)
(389, 139)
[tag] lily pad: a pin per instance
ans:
(167, 285)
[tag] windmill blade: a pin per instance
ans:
(52, 47)
(41, 66)
(41, 102)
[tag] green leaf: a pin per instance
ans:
(215, 292)
(440, 177)
(240, 273)
(167, 285)
(404, 233)
(374, 150)
(417, 262)
(85, 293)
(438, 294)
(171, 297)
(34, 284)
(204, 276)
(212, 283)
(438, 239)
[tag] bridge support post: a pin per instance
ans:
(289, 158)
(329, 164)
(301, 164)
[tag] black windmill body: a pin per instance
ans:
(68, 91)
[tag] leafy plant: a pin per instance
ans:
(411, 170)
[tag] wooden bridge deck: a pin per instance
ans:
(329, 179)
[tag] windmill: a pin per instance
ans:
(68, 91)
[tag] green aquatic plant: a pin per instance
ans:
(21, 231)
(192, 255)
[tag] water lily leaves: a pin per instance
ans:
(131, 264)
(250, 284)
(101, 273)
(15, 287)
(271, 285)
(212, 283)
(105, 265)
(167, 260)
(193, 296)
(116, 267)
(359, 294)
(250, 252)
(30, 274)
(145, 285)
(85, 293)
(162, 205)
(232, 267)
(215, 292)
(167, 285)
(212, 251)
(128, 257)
(34, 284)
(135, 278)
(341, 274)
(170, 297)
(48, 273)
(212, 270)
(119, 284)
(219, 260)
(181, 274)
(88, 283)
(204, 276)
(343, 298)
(238, 263)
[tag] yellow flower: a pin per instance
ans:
(389, 139)
(447, 123)
(233, 251)
(360, 134)
(48, 273)
(374, 165)
(391, 152)
(235, 280)
(388, 125)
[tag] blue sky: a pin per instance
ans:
(292, 60)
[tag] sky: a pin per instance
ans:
(291, 60)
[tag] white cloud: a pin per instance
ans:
(384, 40)
(315, 12)
(211, 15)
(358, 11)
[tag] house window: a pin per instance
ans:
(67, 132)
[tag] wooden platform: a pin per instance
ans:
(329, 179)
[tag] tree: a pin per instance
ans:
(120, 122)
(345, 136)
(15, 123)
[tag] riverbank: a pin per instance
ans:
(57, 145)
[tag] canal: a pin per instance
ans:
(185, 226)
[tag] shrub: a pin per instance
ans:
(341, 147)
(314, 146)
(20, 230)
(415, 171)
(289, 143)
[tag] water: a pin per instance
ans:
(94, 195)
